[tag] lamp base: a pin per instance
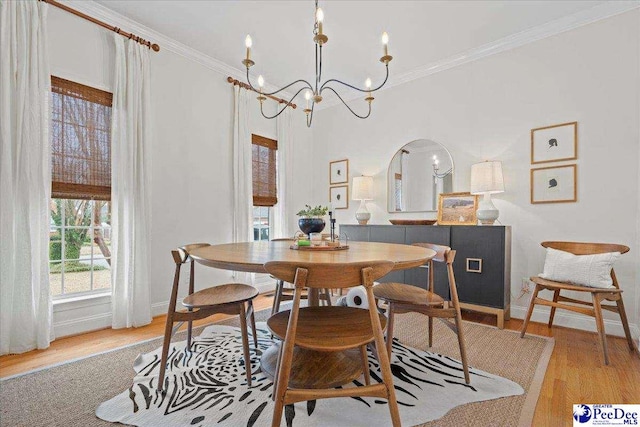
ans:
(363, 215)
(363, 221)
(487, 213)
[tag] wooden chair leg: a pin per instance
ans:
(365, 364)
(245, 343)
(385, 366)
(532, 303)
(277, 297)
(625, 325)
(327, 297)
(552, 314)
(284, 370)
(390, 324)
(463, 350)
(252, 318)
(430, 331)
(189, 329)
(600, 324)
(165, 350)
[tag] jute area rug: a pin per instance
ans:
(69, 394)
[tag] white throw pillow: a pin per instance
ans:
(585, 270)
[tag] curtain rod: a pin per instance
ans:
(140, 40)
(246, 86)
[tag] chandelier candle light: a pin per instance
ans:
(313, 92)
(363, 191)
(436, 167)
(487, 179)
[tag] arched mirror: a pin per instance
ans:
(418, 172)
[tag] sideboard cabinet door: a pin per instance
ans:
(487, 249)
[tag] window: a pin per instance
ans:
(260, 223)
(80, 232)
(397, 191)
(264, 184)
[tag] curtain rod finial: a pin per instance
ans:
(155, 47)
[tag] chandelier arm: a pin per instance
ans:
(442, 175)
(279, 90)
(285, 107)
(386, 77)
(349, 108)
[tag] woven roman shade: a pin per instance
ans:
(80, 141)
(264, 171)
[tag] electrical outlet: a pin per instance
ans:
(525, 285)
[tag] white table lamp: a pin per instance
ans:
(363, 190)
(487, 179)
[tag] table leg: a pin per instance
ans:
(314, 297)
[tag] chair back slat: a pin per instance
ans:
(441, 251)
(336, 276)
(583, 248)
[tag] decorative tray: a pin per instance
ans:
(413, 221)
(318, 248)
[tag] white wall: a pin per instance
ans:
(191, 156)
(485, 110)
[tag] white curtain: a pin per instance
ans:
(25, 178)
(242, 176)
(130, 169)
(282, 220)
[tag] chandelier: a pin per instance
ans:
(313, 92)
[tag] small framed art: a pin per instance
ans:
(457, 209)
(339, 172)
(554, 143)
(339, 197)
(555, 184)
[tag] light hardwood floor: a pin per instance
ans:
(575, 373)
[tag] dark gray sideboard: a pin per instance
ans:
(482, 267)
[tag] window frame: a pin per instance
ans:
(271, 198)
(86, 150)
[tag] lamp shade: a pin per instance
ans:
(486, 178)
(362, 188)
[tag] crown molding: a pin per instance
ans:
(111, 17)
(584, 17)
(567, 23)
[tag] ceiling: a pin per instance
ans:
(420, 32)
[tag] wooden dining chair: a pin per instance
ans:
(231, 298)
(598, 295)
(284, 292)
(328, 330)
(403, 298)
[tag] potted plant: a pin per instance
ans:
(312, 220)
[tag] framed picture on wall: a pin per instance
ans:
(554, 143)
(339, 172)
(457, 209)
(554, 184)
(339, 197)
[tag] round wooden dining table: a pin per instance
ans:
(251, 257)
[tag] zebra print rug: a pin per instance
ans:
(208, 387)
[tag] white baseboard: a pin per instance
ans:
(570, 320)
